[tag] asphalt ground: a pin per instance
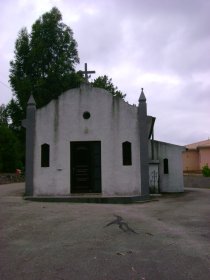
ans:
(164, 239)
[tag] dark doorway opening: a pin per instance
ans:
(86, 167)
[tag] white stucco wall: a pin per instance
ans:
(173, 181)
(112, 122)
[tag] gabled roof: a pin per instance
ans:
(201, 144)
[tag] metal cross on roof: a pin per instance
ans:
(86, 72)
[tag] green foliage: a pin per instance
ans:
(3, 115)
(15, 113)
(106, 83)
(44, 64)
(10, 155)
(206, 170)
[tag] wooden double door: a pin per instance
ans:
(86, 167)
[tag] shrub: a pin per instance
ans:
(9, 150)
(206, 170)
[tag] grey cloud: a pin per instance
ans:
(171, 34)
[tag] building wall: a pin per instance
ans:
(173, 181)
(190, 160)
(204, 156)
(112, 122)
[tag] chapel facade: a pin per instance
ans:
(87, 141)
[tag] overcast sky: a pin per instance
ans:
(160, 45)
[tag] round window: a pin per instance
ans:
(86, 115)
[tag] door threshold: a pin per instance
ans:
(86, 194)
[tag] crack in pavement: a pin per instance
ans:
(122, 224)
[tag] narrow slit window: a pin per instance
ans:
(45, 155)
(165, 165)
(127, 155)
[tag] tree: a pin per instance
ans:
(3, 115)
(106, 83)
(206, 170)
(10, 155)
(11, 143)
(44, 63)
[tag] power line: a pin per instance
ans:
(4, 84)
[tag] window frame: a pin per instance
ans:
(45, 155)
(127, 153)
(165, 166)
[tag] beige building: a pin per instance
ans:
(196, 156)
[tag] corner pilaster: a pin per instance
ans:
(29, 123)
(143, 137)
